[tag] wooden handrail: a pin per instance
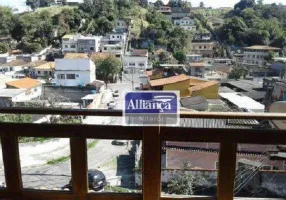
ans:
(151, 137)
(119, 113)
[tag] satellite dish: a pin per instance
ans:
(279, 107)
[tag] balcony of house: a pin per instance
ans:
(232, 167)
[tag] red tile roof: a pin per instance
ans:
(169, 80)
(139, 52)
(25, 83)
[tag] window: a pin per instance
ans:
(118, 36)
(91, 48)
(132, 64)
(61, 76)
(66, 46)
(118, 24)
(141, 64)
(45, 72)
(35, 89)
(113, 36)
(73, 46)
(205, 47)
(105, 48)
(39, 72)
(70, 76)
(200, 47)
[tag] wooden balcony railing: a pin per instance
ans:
(151, 137)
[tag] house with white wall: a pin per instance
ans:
(114, 37)
(45, 70)
(33, 88)
(69, 43)
(121, 25)
(115, 49)
(89, 44)
(75, 69)
(9, 96)
(186, 23)
(13, 66)
(135, 60)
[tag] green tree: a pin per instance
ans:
(33, 4)
(64, 2)
(180, 57)
(238, 72)
(181, 184)
(6, 22)
(107, 68)
(151, 47)
(3, 48)
(13, 118)
(202, 5)
(29, 48)
(244, 4)
(158, 3)
(270, 56)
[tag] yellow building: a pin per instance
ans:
(179, 83)
(208, 90)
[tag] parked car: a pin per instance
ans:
(116, 93)
(96, 180)
(111, 105)
(119, 142)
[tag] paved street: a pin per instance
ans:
(112, 160)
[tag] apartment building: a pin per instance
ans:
(136, 60)
(255, 55)
(80, 44)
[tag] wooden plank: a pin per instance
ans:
(118, 113)
(12, 168)
(114, 196)
(71, 130)
(47, 195)
(79, 167)
(151, 163)
(251, 136)
(178, 197)
(226, 173)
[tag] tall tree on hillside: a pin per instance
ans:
(3, 48)
(244, 4)
(6, 21)
(202, 5)
(33, 4)
(180, 57)
(158, 3)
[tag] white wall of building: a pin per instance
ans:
(74, 72)
(120, 24)
(29, 94)
(135, 62)
(254, 57)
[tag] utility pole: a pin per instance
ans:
(133, 68)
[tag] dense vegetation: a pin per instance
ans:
(251, 23)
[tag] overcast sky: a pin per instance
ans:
(20, 4)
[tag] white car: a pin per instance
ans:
(111, 105)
